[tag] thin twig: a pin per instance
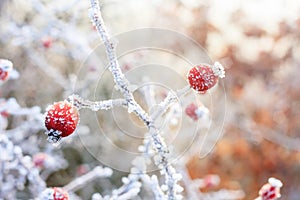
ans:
(122, 84)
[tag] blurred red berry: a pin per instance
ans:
(196, 112)
(60, 194)
(5, 68)
(61, 120)
(4, 114)
(82, 169)
(271, 190)
(211, 180)
(47, 42)
(39, 160)
(191, 111)
(3, 75)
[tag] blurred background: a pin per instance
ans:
(258, 43)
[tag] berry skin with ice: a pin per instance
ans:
(61, 120)
(203, 77)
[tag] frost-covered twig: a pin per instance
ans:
(119, 78)
(122, 84)
(90, 176)
(129, 190)
(79, 102)
(15, 170)
(154, 185)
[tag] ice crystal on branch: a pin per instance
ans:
(122, 83)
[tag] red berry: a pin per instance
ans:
(5, 68)
(202, 78)
(4, 114)
(191, 111)
(196, 112)
(47, 42)
(39, 160)
(60, 194)
(270, 190)
(211, 180)
(3, 75)
(61, 120)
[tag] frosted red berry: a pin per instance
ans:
(60, 194)
(5, 67)
(201, 78)
(271, 190)
(61, 120)
(204, 76)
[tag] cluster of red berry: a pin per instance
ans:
(62, 117)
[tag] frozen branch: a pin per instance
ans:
(79, 102)
(18, 169)
(122, 84)
(90, 176)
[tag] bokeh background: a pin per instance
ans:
(258, 42)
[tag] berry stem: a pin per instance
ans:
(183, 91)
(171, 97)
